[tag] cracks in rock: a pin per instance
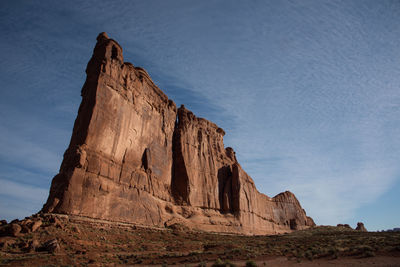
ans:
(247, 198)
(122, 165)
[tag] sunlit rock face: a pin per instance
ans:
(134, 157)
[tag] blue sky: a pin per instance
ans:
(307, 91)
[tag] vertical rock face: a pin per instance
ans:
(134, 157)
(202, 170)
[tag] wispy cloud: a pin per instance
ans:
(31, 194)
(26, 141)
(19, 200)
(27, 153)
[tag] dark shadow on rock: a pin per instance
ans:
(225, 189)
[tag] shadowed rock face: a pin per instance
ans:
(134, 157)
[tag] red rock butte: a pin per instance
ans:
(135, 157)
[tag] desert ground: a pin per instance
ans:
(60, 240)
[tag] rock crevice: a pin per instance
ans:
(135, 157)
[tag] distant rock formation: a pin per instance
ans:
(134, 157)
(396, 229)
(344, 226)
(360, 227)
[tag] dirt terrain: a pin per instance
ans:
(60, 240)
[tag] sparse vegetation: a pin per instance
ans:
(82, 242)
(218, 263)
(250, 263)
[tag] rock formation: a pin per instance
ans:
(360, 227)
(135, 157)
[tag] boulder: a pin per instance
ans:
(36, 225)
(12, 229)
(56, 222)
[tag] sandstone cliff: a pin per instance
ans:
(134, 157)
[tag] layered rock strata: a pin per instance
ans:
(135, 157)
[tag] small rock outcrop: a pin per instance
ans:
(135, 157)
(360, 227)
(344, 226)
